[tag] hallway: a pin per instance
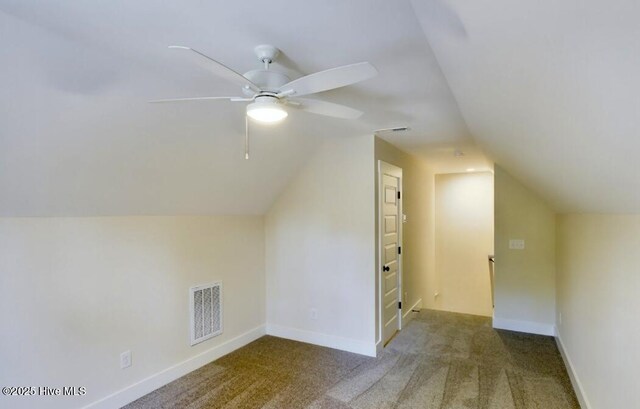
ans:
(440, 360)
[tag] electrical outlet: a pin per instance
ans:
(313, 313)
(125, 359)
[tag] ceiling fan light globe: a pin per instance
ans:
(266, 112)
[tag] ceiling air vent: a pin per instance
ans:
(396, 129)
(206, 312)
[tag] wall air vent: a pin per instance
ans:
(206, 312)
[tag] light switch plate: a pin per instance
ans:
(516, 244)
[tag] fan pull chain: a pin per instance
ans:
(246, 137)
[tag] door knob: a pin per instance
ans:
(385, 268)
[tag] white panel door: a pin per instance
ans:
(390, 234)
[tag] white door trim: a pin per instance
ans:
(384, 167)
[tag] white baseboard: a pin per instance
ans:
(575, 381)
(325, 340)
(408, 316)
(529, 327)
(379, 348)
(153, 382)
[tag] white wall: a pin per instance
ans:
(463, 242)
(524, 279)
(76, 292)
(418, 231)
(599, 297)
(320, 250)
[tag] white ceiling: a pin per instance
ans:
(551, 90)
(78, 138)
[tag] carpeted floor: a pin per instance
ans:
(440, 360)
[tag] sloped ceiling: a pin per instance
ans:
(78, 138)
(551, 90)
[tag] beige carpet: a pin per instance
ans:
(440, 360)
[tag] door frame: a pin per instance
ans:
(384, 167)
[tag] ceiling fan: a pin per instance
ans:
(268, 91)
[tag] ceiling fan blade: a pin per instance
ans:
(219, 69)
(233, 99)
(326, 108)
(329, 79)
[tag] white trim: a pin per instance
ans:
(379, 348)
(407, 316)
(153, 382)
(575, 381)
(325, 340)
(529, 327)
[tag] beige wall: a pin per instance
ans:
(524, 279)
(599, 299)
(76, 292)
(463, 242)
(418, 234)
(320, 250)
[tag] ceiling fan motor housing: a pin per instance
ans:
(267, 80)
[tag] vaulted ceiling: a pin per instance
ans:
(551, 90)
(548, 89)
(78, 138)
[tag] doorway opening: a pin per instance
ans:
(435, 241)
